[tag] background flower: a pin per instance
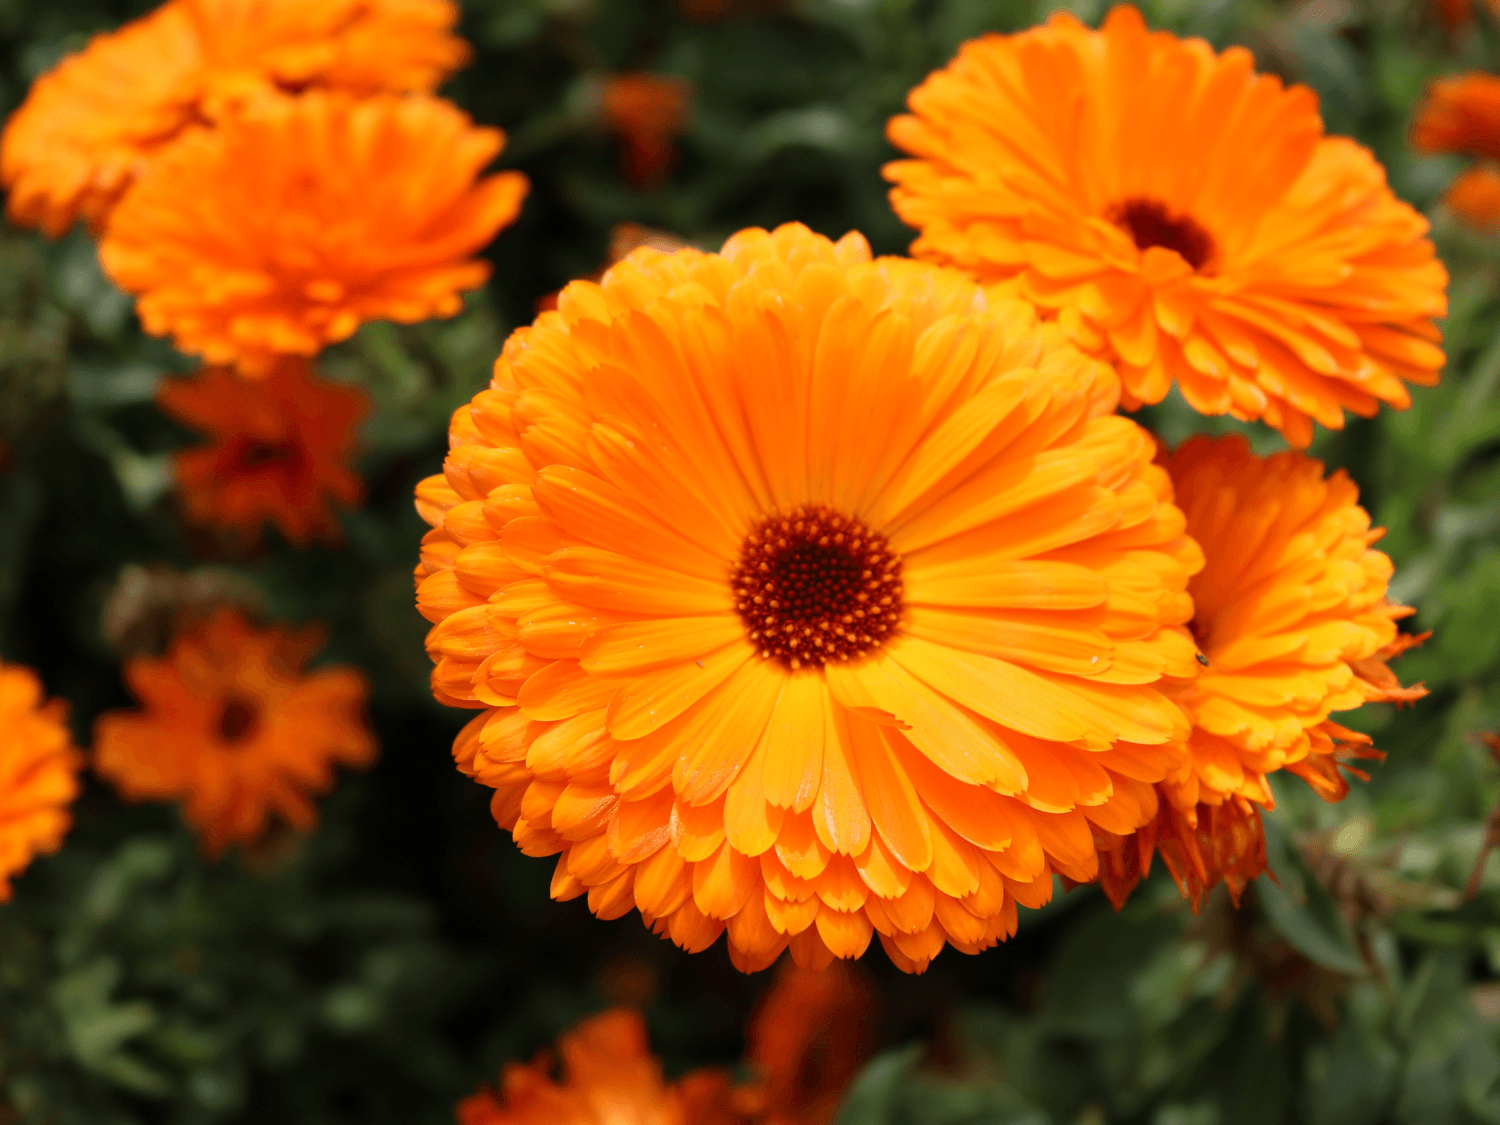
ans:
(1179, 215)
(648, 111)
(294, 220)
(38, 772)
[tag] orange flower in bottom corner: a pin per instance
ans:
(609, 1077)
(38, 772)
(1292, 624)
(235, 728)
(278, 449)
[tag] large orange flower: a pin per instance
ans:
(235, 728)
(90, 125)
(1292, 619)
(295, 219)
(1180, 215)
(609, 1077)
(808, 596)
(38, 772)
(278, 449)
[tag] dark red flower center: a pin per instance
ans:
(259, 454)
(1149, 224)
(238, 718)
(815, 586)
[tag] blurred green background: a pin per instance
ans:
(377, 971)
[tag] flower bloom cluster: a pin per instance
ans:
(1462, 115)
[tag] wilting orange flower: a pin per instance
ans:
(1474, 196)
(90, 125)
(233, 726)
(647, 110)
(278, 449)
(1292, 619)
(609, 1077)
(1180, 215)
(807, 1040)
(38, 772)
(296, 219)
(806, 596)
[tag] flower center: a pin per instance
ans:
(238, 719)
(1149, 223)
(259, 454)
(814, 586)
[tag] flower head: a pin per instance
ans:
(38, 772)
(1459, 114)
(295, 219)
(278, 449)
(806, 596)
(91, 124)
(233, 726)
(648, 111)
(1474, 196)
(1179, 215)
(609, 1077)
(1293, 624)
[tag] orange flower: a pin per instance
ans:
(1180, 216)
(296, 219)
(1474, 196)
(1459, 114)
(38, 772)
(235, 728)
(806, 596)
(1292, 619)
(609, 1077)
(90, 125)
(647, 110)
(808, 1039)
(278, 449)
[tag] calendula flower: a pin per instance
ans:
(295, 219)
(233, 726)
(278, 449)
(806, 596)
(1474, 196)
(1293, 624)
(38, 772)
(91, 124)
(807, 1040)
(1462, 115)
(609, 1077)
(1179, 215)
(648, 111)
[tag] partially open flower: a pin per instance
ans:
(278, 450)
(1293, 624)
(91, 125)
(234, 727)
(609, 1077)
(38, 772)
(296, 219)
(1179, 215)
(806, 596)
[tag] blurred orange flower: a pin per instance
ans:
(1180, 216)
(38, 772)
(846, 649)
(648, 111)
(278, 449)
(296, 219)
(609, 1077)
(1474, 196)
(808, 1039)
(1293, 624)
(233, 726)
(1459, 114)
(90, 125)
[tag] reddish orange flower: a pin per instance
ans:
(609, 1077)
(38, 773)
(90, 125)
(234, 727)
(1459, 114)
(807, 1040)
(1293, 624)
(278, 449)
(1474, 196)
(1180, 216)
(296, 219)
(648, 111)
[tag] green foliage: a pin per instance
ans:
(380, 969)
